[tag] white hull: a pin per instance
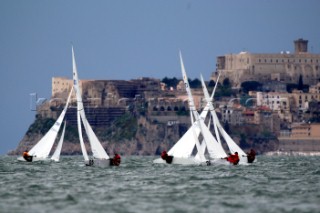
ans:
(34, 159)
(180, 161)
(99, 163)
(225, 162)
(193, 161)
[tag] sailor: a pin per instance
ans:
(90, 162)
(251, 156)
(166, 157)
(26, 156)
(116, 160)
(233, 158)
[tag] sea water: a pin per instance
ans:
(272, 184)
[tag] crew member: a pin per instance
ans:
(26, 156)
(233, 158)
(166, 157)
(116, 160)
(251, 156)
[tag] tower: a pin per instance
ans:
(301, 46)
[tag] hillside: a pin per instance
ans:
(138, 135)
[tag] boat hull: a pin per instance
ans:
(180, 161)
(34, 159)
(98, 163)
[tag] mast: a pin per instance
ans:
(80, 109)
(192, 109)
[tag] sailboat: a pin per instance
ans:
(41, 150)
(183, 149)
(99, 155)
(233, 147)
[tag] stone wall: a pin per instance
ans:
(303, 145)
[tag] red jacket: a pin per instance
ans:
(234, 159)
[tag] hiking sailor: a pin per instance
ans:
(26, 156)
(116, 160)
(251, 156)
(166, 157)
(233, 158)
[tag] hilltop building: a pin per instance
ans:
(106, 100)
(263, 67)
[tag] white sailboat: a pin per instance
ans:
(182, 150)
(41, 150)
(99, 155)
(233, 147)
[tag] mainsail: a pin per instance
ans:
(184, 147)
(80, 108)
(192, 110)
(42, 149)
(233, 147)
(96, 147)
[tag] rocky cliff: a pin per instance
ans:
(128, 135)
(139, 135)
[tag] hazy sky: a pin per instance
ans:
(132, 39)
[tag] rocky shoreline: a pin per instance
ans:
(136, 136)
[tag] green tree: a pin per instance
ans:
(291, 87)
(226, 83)
(211, 83)
(196, 83)
(247, 86)
(171, 82)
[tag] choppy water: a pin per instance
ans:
(273, 184)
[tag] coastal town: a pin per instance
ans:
(267, 101)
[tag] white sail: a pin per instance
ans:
(80, 109)
(233, 147)
(205, 111)
(96, 147)
(203, 116)
(184, 147)
(203, 144)
(83, 148)
(193, 110)
(209, 104)
(42, 149)
(214, 148)
(56, 154)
